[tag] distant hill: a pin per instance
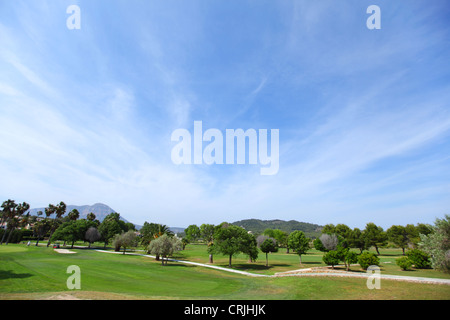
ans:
(258, 226)
(99, 209)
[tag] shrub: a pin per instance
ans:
(404, 263)
(331, 258)
(419, 259)
(367, 259)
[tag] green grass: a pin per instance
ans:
(40, 272)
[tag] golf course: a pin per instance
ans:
(30, 272)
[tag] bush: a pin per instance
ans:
(419, 259)
(331, 258)
(404, 263)
(367, 259)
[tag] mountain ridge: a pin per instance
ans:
(258, 226)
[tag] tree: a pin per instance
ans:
(192, 232)
(349, 258)
(12, 213)
(356, 240)
(151, 231)
(331, 258)
(279, 236)
(207, 233)
(72, 230)
(249, 246)
(230, 240)
(399, 236)
(318, 245)
(74, 214)
(268, 245)
(437, 244)
(126, 240)
(343, 230)
(59, 210)
(40, 228)
(92, 235)
(164, 246)
(329, 228)
(111, 226)
(299, 243)
(91, 216)
(374, 235)
(329, 241)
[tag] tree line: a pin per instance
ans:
(427, 243)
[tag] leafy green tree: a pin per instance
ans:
(207, 232)
(318, 245)
(298, 242)
(343, 230)
(399, 236)
(72, 231)
(437, 244)
(110, 226)
(249, 246)
(267, 246)
(356, 240)
(279, 236)
(374, 235)
(329, 228)
(349, 258)
(230, 240)
(192, 232)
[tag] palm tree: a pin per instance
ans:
(9, 212)
(14, 213)
(59, 210)
(91, 216)
(73, 215)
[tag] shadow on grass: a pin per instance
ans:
(7, 274)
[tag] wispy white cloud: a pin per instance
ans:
(86, 117)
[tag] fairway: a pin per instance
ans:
(40, 273)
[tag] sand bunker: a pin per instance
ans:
(64, 251)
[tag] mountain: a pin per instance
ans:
(258, 226)
(99, 209)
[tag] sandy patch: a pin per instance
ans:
(63, 297)
(64, 251)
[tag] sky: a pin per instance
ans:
(86, 115)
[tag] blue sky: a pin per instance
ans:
(86, 115)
